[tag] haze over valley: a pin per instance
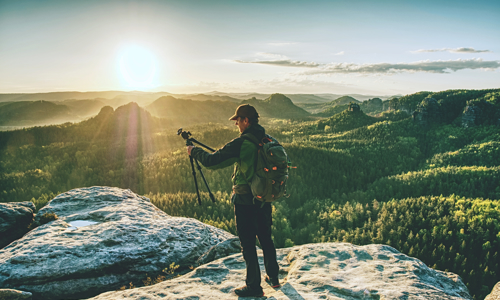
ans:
(39, 109)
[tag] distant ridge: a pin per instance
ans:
(277, 106)
(184, 111)
(145, 98)
(33, 113)
(113, 98)
(204, 97)
(82, 105)
(324, 108)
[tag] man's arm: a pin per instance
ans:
(224, 157)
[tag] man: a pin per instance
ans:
(252, 218)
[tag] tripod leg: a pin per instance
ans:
(195, 181)
(204, 180)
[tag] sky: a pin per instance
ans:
(341, 47)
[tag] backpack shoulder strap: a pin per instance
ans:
(251, 138)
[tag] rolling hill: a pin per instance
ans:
(316, 108)
(112, 98)
(182, 112)
(277, 106)
(33, 113)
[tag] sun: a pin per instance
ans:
(137, 67)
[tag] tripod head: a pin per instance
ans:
(185, 135)
(189, 140)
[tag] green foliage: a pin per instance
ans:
(451, 102)
(333, 110)
(166, 274)
(485, 154)
(409, 102)
(46, 218)
(394, 115)
(346, 120)
(370, 106)
(43, 199)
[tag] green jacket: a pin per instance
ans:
(239, 152)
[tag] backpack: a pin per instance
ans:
(271, 169)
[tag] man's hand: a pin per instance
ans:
(189, 148)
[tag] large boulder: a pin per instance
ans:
(104, 238)
(495, 293)
(15, 219)
(315, 271)
(223, 249)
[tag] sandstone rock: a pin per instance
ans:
(125, 238)
(223, 249)
(315, 271)
(8, 294)
(354, 107)
(470, 116)
(495, 293)
(427, 112)
(479, 113)
(15, 218)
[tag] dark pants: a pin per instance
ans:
(251, 221)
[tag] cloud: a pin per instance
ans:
(278, 60)
(339, 53)
(457, 50)
(438, 66)
(421, 66)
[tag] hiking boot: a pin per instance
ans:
(246, 291)
(273, 281)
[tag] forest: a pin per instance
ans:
(430, 188)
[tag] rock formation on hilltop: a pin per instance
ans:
(427, 112)
(479, 113)
(315, 271)
(354, 107)
(103, 239)
(15, 218)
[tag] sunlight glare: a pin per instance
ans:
(138, 67)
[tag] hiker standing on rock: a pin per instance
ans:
(253, 218)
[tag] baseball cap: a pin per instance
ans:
(245, 111)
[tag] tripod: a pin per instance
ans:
(189, 142)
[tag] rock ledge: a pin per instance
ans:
(315, 271)
(120, 238)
